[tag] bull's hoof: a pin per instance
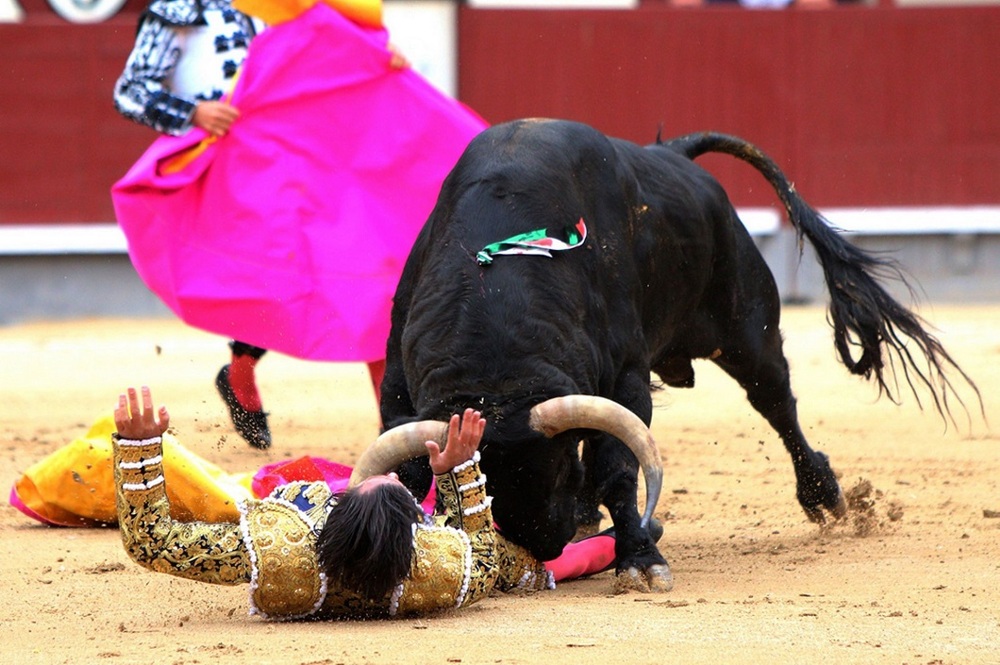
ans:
(837, 509)
(818, 490)
(655, 579)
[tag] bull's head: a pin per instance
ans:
(549, 418)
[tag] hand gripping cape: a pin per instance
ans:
(290, 233)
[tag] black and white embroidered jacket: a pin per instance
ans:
(186, 51)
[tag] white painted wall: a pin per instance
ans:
(426, 31)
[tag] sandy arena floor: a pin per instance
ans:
(912, 576)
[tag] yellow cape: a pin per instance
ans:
(75, 486)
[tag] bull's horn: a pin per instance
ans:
(397, 445)
(559, 414)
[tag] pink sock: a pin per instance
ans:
(586, 557)
(243, 383)
(376, 369)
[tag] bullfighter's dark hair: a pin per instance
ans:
(366, 544)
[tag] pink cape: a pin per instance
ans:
(314, 469)
(290, 233)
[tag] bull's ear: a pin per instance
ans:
(560, 414)
(396, 446)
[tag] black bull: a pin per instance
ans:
(667, 274)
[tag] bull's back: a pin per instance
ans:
(689, 248)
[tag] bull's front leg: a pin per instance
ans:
(588, 503)
(639, 566)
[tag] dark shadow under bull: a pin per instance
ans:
(667, 274)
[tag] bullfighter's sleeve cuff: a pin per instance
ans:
(463, 493)
(139, 468)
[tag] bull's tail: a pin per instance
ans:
(864, 317)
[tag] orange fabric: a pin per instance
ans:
(181, 160)
(364, 12)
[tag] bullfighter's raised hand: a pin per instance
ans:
(463, 440)
(135, 422)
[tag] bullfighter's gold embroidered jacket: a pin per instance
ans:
(457, 560)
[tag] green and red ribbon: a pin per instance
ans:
(535, 243)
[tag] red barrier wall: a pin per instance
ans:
(860, 106)
(62, 143)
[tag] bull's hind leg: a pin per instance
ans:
(763, 373)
